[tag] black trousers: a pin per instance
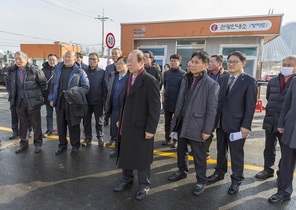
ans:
(63, 121)
(199, 157)
(114, 128)
(14, 121)
(167, 124)
(49, 116)
(97, 110)
(34, 116)
(143, 177)
(287, 168)
(270, 149)
(236, 149)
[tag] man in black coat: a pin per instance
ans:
(276, 92)
(28, 87)
(286, 126)
(137, 125)
(171, 83)
(95, 98)
(151, 69)
(236, 107)
(48, 69)
(115, 54)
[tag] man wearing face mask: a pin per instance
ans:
(275, 94)
(286, 126)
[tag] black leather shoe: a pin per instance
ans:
(277, 198)
(141, 194)
(176, 176)
(233, 189)
(38, 149)
(74, 151)
(14, 136)
(263, 175)
(101, 142)
(22, 148)
(215, 177)
(198, 189)
(120, 186)
(86, 142)
(113, 154)
(60, 150)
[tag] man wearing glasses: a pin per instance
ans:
(95, 98)
(236, 107)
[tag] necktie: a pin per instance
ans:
(232, 78)
(22, 75)
(133, 79)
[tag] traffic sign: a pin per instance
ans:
(110, 40)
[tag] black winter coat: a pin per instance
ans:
(48, 72)
(171, 83)
(275, 100)
(35, 86)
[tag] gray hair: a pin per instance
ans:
(290, 57)
(22, 54)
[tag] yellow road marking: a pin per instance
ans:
(171, 155)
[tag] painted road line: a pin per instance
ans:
(166, 154)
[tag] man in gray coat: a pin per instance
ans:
(286, 126)
(194, 119)
(137, 125)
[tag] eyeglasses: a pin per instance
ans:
(92, 59)
(234, 62)
(173, 60)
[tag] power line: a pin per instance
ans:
(33, 37)
(79, 9)
(67, 9)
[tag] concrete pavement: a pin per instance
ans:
(46, 181)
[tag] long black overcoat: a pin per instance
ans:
(140, 114)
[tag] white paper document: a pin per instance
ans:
(235, 136)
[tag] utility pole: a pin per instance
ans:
(103, 19)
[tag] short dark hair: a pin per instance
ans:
(203, 55)
(79, 55)
(168, 65)
(123, 58)
(52, 54)
(95, 54)
(218, 57)
(150, 54)
(176, 56)
(239, 54)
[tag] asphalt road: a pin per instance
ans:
(46, 181)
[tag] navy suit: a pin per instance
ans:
(235, 110)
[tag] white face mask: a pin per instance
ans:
(287, 71)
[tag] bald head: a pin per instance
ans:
(70, 58)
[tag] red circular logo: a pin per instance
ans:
(214, 27)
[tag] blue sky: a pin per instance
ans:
(73, 21)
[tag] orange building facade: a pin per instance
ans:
(216, 36)
(39, 52)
